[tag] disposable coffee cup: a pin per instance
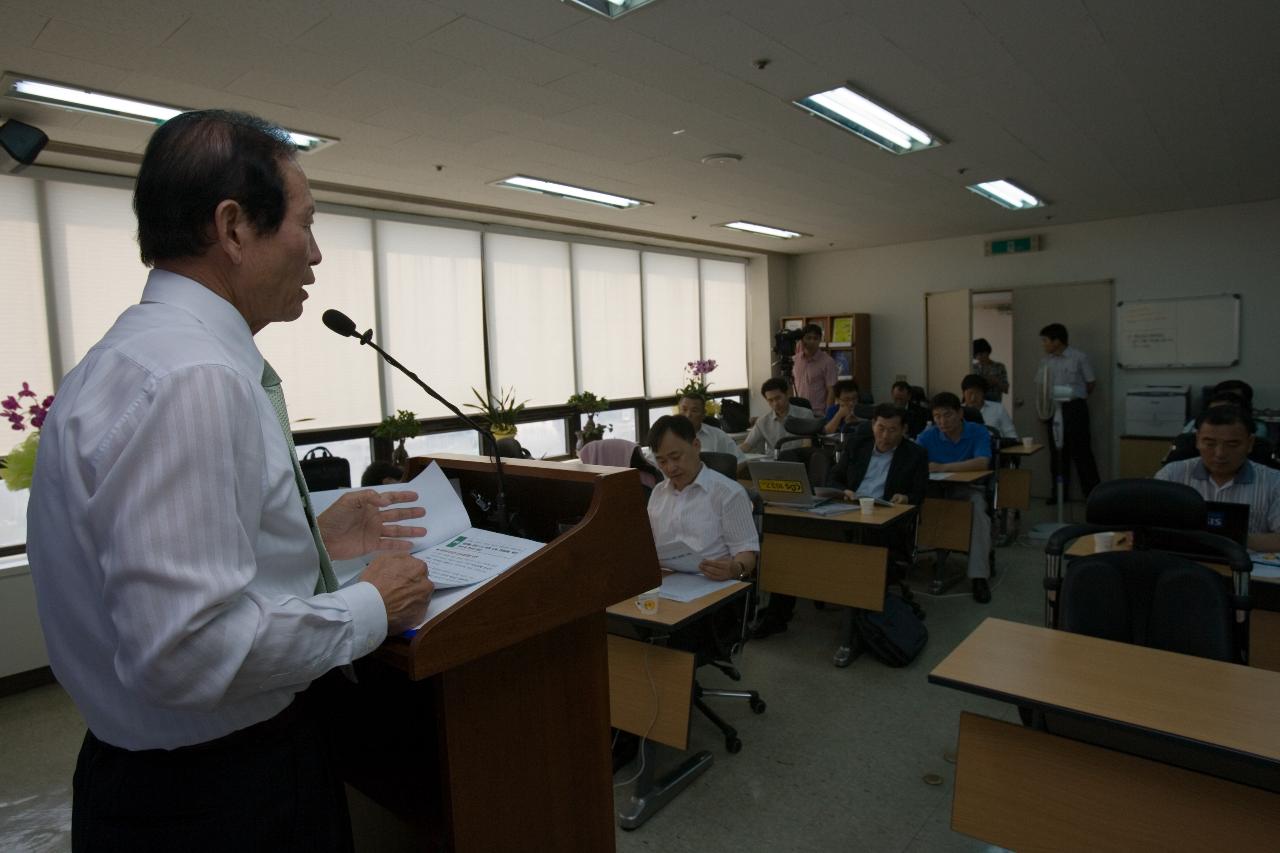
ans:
(647, 602)
(1104, 541)
(866, 505)
(1027, 441)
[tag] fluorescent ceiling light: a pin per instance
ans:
(766, 230)
(1007, 195)
(858, 114)
(538, 185)
(70, 97)
(611, 9)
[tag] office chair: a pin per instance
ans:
(721, 463)
(726, 633)
(734, 416)
(622, 454)
(802, 402)
(810, 445)
(1158, 594)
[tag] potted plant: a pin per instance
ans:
(588, 404)
(19, 466)
(403, 424)
(697, 385)
(499, 412)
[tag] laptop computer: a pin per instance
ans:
(1227, 519)
(787, 484)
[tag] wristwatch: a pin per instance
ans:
(742, 571)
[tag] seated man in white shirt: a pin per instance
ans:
(769, 429)
(713, 439)
(973, 389)
(706, 511)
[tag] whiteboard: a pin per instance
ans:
(1198, 331)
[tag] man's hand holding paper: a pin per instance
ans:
(362, 522)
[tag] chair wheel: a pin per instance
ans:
(732, 745)
(758, 706)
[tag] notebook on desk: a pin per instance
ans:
(787, 484)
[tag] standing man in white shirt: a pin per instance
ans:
(769, 429)
(1065, 365)
(973, 389)
(184, 584)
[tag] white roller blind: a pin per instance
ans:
(94, 260)
(610, 350)
(24, 346)
(432, 311)
(724, 322)
(330, 381)
(529, 308)
(671, 328)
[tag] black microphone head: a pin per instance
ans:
(339, 323)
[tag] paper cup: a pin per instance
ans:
(867, 505)
(1104, 541)
(1027, 441)
(647, 602)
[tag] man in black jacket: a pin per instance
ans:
(878, 464)
(884, 464)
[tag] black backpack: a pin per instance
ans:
(895, 635)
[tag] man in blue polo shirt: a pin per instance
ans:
(956, 445)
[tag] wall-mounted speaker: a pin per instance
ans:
(19, 145)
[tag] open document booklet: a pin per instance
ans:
(686, 583)
(458, 556)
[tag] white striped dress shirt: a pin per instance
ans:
(173, 564)
(1255, 485)
(712, 515)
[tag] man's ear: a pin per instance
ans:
(230, 229)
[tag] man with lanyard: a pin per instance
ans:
(956, 445)
(815, 370)
(1223, 472)
(1068, 368)
(183, 581)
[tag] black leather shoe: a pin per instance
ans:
(843, 657)
(765, 626)
(981, 590)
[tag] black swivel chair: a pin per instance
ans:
(734, 416)
(810, 445)
(722, 643)
(1158, 594)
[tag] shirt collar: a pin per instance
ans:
(1244, 477)
(216, 314)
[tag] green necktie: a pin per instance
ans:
(327, 582)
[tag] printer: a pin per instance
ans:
(1156, 410)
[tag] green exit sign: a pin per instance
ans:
(1014, 245)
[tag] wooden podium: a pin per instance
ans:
(489, 730)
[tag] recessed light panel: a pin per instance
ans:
(100, 103)
(1006, 194)
(766, 230)
(611, 9)
(859, 115)
(559, 190)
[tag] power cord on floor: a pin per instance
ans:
(653, 688)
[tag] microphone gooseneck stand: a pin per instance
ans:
(343, 325)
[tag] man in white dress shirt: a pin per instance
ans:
(973, 390)
(770, 428)
(184, 585)
(713, 439)
(694, 505)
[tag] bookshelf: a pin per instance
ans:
(847, 337)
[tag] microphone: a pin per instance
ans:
(343, 325)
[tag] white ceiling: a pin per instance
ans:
(1104, 107)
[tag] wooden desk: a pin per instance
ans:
(945, 525)
(961, 476)
(825, 558)
(1013, 484)
(1019, 451)
(1027, 789)
(651, 693)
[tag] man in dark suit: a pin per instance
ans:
(883, 464)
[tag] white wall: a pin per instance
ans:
(1186, 253)
(767, 295)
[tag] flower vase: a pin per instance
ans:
(400, 456)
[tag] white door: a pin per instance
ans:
(948, 339)
(1086, 310)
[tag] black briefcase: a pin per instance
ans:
(323, 471)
